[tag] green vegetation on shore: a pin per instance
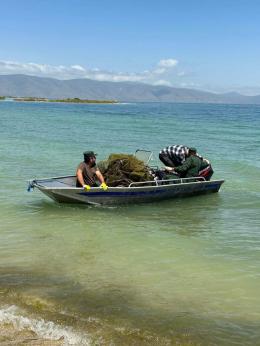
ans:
(67, 100)
(77, 100)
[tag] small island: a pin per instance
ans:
(67, 100)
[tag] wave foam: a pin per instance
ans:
(43, 329)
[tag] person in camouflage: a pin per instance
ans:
(191, 166)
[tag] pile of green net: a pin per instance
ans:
(123, 169)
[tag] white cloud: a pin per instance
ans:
(78, 67)
(42, 70)
(162, 82)
(190, 85)
(152, 76)
(163, 73)
(159, 70)
(168, 63)
(181, 74)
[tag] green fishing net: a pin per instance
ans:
(123, 169)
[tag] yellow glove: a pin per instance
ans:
(104, 186)
(86, 187)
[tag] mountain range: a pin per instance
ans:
(24, 86)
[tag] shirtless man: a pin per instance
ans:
(87, 172)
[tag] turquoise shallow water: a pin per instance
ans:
(184, 271)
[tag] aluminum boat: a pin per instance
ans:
(64, 190)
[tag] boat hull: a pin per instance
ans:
(127, 195)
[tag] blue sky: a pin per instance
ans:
(207, 45)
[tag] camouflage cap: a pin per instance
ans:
(193, 150)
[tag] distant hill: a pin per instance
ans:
(25, 86)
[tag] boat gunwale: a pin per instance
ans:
(34, 183)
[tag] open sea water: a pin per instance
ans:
(177, 272)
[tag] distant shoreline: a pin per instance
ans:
(41, 99)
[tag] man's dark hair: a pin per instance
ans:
(88, 155)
